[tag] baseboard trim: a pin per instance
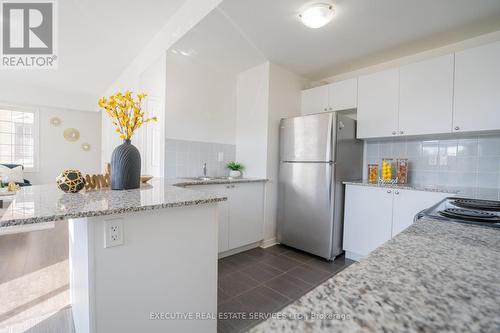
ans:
(238, 250)
(353, 256)
(268, 242)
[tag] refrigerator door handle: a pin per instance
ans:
(329, 142)
(317, 162)
(329, 176)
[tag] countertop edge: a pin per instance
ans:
(404, 187)
(34, 220)
(180, 183)
(189, 182)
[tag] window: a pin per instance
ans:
(18, 136)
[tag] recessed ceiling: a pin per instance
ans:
(218, 44)
(362, 33)
(97, 40)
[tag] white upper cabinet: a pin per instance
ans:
(378, 96)
(343, 95)
(336, 96)
(315, 100)
(477, 89)
(426, 97)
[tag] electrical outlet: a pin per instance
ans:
(113, 233)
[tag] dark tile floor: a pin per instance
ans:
(266, 280)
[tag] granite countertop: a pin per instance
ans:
(433, 277)
(469, 192)
(43, 203)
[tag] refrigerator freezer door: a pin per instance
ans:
(305, 209)
(308, 138)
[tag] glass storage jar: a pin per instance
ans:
(387, 164)
(372, 173)
(402, 170)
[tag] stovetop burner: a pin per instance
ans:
(471, 215)
(477, 204)
(465, 210)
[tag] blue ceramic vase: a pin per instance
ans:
(125, 167)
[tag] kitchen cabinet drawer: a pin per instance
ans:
(477, 89)
(378, 96)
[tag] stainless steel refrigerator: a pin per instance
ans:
(317, 153)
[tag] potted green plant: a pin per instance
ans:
(235, 169)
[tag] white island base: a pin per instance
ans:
(167, 266)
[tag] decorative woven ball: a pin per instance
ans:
(70, 181)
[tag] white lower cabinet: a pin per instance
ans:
(367, 219)
(241, 217)
(408, 203)
(246, 214)
(373, 215)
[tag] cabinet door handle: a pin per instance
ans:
(389, 191)
(393, 132)
(228, 186)
(233, 186)
(397, 192)
(401, 132)
(457, 128)
(331, 109)
(326, 109)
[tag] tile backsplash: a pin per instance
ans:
(185, 158)
(468, 161)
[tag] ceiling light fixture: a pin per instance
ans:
(317, 15)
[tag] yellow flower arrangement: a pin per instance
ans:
(125, 112)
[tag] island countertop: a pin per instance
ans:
(433, 277)
(44, 203)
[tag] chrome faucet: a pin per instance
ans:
(204, 169)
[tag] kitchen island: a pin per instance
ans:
(433, 277)
(141, 260)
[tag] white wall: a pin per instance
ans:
(252, 99)
(200, 102)
(468, 43)
(284, 102)
(152, 136)
(19, 92)
(265, 94)
(57, 154)
(192, 12)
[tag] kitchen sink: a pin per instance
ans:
(200, 178)
(207, 178)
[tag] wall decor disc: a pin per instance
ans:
(71, 134)
(55, 121)
(85, 147)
